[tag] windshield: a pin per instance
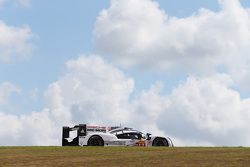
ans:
(143, 135)
(131, 135)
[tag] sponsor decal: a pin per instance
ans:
(141, 143)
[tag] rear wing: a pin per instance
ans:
(82, 130)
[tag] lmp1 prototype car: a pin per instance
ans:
(110, 136)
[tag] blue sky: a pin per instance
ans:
(65, 31)
(185, 59)
(55, 43)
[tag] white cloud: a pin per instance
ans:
(6, 90)
(92, 90)
(35, 129)
(146, 107)
(15, 43)
(207, 110)
(9, 129)
(137, 33)
(199, 111)
(203, 110)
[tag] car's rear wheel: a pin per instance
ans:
(95, 141)
(160, 142)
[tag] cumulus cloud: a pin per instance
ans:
(6, 90)
(91, 91)
(146, 107)
(203, 111)
(199, 111)
(207, 110)
(36, 128)
(16, 43)
(137, 33)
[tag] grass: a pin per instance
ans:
(124, 156)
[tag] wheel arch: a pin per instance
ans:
(162, 139)
(95, 135)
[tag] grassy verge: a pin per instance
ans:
(124, 156)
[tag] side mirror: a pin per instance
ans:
(148, 136)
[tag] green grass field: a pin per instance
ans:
(124, 156)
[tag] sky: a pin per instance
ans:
(173, 68)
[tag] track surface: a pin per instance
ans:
(124, 156)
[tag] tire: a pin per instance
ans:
(158, 141)
(95, 141)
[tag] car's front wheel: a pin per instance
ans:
(95, 141)
(158, 141)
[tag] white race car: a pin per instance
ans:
(110, 136)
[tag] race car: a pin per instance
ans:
(110, 136)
